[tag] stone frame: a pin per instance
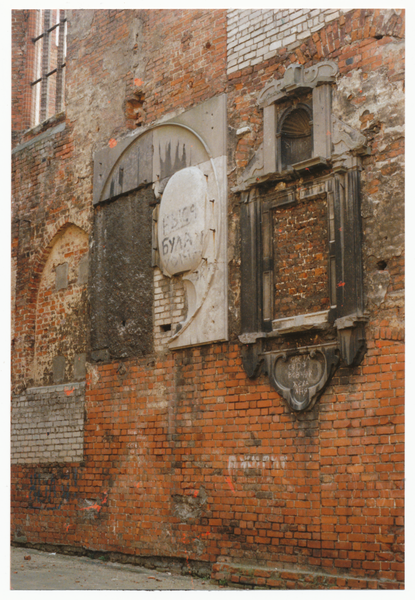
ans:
(335, 167)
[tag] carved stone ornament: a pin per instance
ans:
(333, 140)
(301, 375)
(297, 79)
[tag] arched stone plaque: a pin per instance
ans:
(182, 221)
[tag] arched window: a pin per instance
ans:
(296, 137)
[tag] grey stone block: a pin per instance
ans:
(79, 369)
(83, 271)
(61, 281)
(58, 368)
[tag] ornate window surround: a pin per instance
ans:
(335, 166)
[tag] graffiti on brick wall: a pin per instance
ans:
(249, 461)
(48, 491)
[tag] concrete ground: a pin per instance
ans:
(47, 571)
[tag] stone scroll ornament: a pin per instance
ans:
(300, 376)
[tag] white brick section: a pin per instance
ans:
(48, 424)
(257, 35)
(171, 309)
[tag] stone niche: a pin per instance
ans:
(302, 305)
(158, 273)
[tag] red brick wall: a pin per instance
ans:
(184, 455)
(323, 490)
(23, 27)
(301, 259)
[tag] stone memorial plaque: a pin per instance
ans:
(182, 221)
(299, 373)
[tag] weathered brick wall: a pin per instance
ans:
(190, 458)
(48, 425)
(45, 202)
(184, 456)
(301, 261)
(23, 29)
(61, 310)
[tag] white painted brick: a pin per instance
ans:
(333, 16)
(260, 37)
(275, 45)
(284, 27)
(269, 55)
(293, 45)
(258, 19)
(304, 34)
(295, 15)
(244, 38)
(271, 35)
(299, 20)
(288, 40)
(270, 27)
(244, 64)
(259, 13)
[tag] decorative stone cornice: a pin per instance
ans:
(297, 79)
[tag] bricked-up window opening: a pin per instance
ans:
(49, 64)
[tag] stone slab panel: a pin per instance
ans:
(130, 170)
(157, 153)
(175, 148)
(208, 120)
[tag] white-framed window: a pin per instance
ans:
(49, 64)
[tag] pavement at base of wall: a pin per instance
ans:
(50, 571)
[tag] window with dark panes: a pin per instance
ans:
(49, 64)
